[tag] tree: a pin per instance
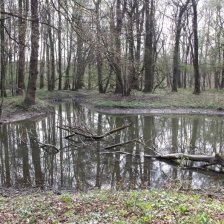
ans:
(195, 60)
(3, 52)
(99, 59)
(23, 11)
(117, 32)
(51, 76)
(59, 46)
(176, 55)
(148, 57)
(31, 89)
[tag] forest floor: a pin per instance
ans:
(117, 207)
(183, 102)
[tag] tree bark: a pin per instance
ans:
(176, 53)
(31, 89)
(195, 62)
(148, 58)
(3, 53)
(222, 80)
(22, 39)
(99, 59)
(119, 20)
(59, 48)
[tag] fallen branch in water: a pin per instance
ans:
(131, 141)
(77, 131)
(217, 159)
(119, 144)
(212, 160)
(45, 146)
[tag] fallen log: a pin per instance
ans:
(216, 159)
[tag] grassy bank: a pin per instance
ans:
(161, 100)
(156, 206)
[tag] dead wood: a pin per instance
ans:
(119, 144)
(216, 159)
(48, 146)
(86, 134)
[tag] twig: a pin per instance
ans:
(43, 146)
(90, 135)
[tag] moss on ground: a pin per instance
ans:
(137, 207)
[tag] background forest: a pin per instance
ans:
(118, 45)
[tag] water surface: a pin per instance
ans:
(81, 165)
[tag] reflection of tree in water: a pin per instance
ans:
(81, 165)
(5, 162)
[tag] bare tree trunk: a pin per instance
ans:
(222, 80)
(3, 53)
(59, 48)
(196, 66)
(42, 62)
(22, 39)
(139, 30)
(79, 82)
(52, 62)
(176, 54)
(148, 58)
(31, 89)
(119, 18)
(51, 84)
(67, 72)
(132, 79)
(99, 59)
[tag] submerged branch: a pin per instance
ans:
(44, 146)
(88, 135)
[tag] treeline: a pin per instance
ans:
(115, 44)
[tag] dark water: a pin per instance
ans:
(80, 165)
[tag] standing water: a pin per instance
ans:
(82, 165)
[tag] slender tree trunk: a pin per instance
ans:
(22, 39)
(31, 89)
(148, 58)
(51, 84)
(119, 20)
(48, 66)
(42, 65)
(196, 66)
(52, 62)
(79, 82)
(3, 53)
(176, 54)
(59, 48)
(222, 82)
(99, 59)
(67, 72)
(139, 30)
(132, 79)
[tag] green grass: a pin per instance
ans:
(12, 105)
(137, 207)
(48, 95)
(161, 99)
